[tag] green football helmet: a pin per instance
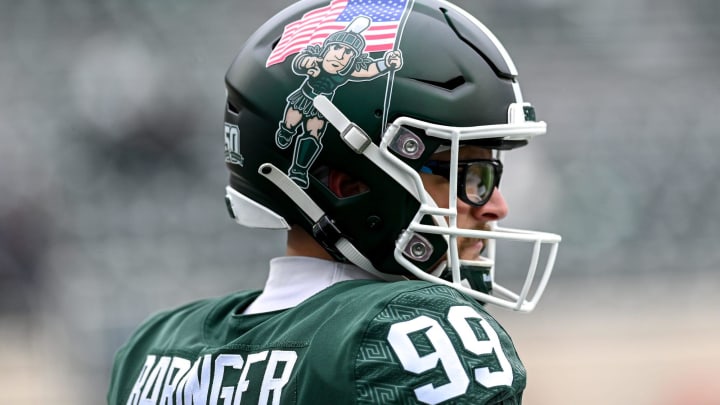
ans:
(324, 86)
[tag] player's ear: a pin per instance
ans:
(342, 185)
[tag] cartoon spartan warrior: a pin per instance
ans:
(340, 59)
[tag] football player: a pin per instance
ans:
(392, 222)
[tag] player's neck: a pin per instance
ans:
(299, 243)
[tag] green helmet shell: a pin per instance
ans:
(453, 72)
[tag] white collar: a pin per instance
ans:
(293, 279)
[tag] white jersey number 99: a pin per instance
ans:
(445, 355)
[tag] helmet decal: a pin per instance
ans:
(387, 17)
(232, 145)
(332, 46)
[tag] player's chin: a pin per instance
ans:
(471, 249)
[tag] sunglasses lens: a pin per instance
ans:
(479, 182)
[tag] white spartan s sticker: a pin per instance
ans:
(232, 145)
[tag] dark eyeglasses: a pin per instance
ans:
(477, 178)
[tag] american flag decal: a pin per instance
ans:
(316, 25)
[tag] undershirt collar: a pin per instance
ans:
(293, 279)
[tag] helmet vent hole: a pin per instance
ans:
(274, 44)
(232, 109)
(449, 85)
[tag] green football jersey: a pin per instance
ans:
(356, 342)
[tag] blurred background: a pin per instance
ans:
(112, 182)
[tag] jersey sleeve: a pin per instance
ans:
(434, 345)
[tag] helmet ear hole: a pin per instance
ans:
(343, 185)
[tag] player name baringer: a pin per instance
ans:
(212, 379)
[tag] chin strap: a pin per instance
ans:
(324, 229)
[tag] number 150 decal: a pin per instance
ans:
(460, 318)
